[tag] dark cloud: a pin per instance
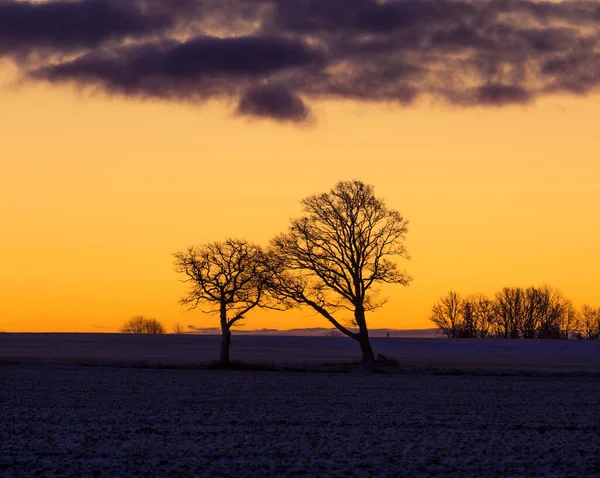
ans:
(198, 68)
(366, 16)
(275, 102)
(242, 56)
(499, 95)
(577, 73)
(72, 25)
(466, 52)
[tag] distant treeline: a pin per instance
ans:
(514, 313)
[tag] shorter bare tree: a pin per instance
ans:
(569, 319)
(467, 318)
(142, 325)
(177, 328)
(532, 313)
(484, 314)
(559, 318)
(509, 312)
(447, 315)
(225, 278)
(589, 322)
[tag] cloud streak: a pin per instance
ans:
(67, 26)
(276, 57)
(201, 67)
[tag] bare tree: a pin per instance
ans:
(469, 320)
(142, 325)
(332, 257)
(447, 315)
(509, 312)
(535, 312)
(536, 306)
(590, 322)
(177, 328)
(558, 319)
(483, 309)
(225, 278)
(569, 319)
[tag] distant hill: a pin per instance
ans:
(319, 332)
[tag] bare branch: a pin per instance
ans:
(332, 256)
(228, 278)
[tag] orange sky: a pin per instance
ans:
(97, 192)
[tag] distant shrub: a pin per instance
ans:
(142, 325)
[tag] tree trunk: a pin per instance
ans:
(363, 335)
(225, 333)
(225, 343)
(366, 349)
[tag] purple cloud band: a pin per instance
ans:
(276, 55)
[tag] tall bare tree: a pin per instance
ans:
(333, 256)
(224, 278)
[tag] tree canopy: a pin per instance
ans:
(333, 256)
(225, 278)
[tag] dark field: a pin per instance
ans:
(66, 420)
(86, 405)
(553, 356)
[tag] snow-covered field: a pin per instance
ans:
(69, 420)
(498, 355)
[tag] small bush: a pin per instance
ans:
(143, 325)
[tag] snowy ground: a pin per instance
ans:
(68, 420)
(495, 355)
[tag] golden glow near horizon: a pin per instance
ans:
(97, 193)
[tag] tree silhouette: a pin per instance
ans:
(225, 278)
(334, 254)
(142, 325)
(483, 309)
(447, 315)
(509, 305)
(532, 313)
(464, 318)
(557, 314)
(590, 322)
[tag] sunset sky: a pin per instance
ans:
(133, 129)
